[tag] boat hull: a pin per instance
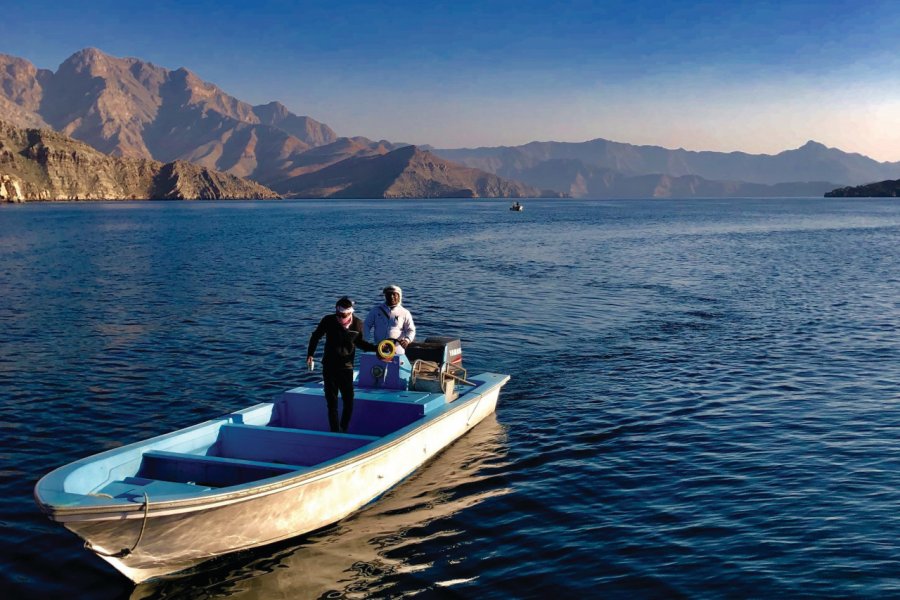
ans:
(178, 536)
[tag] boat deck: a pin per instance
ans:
(294, 438)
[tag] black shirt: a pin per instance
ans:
(340, 343)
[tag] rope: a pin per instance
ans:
(474, 408)
(125, 551)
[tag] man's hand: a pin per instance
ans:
(403, 342)
(309, 361)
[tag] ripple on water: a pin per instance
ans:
(704, 394)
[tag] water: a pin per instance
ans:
(705, 395)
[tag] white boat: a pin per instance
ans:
(516, 207)
(268, 472)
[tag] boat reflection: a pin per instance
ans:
(357, 557)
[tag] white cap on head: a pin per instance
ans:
(392, 288)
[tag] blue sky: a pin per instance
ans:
(752, 76)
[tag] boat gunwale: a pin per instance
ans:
(214, 499)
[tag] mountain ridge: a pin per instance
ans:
(812, 162)
(407, 172)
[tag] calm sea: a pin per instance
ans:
(705, 394)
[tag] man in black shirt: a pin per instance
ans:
(343, 334)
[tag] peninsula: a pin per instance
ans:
(880, 189)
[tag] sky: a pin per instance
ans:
(727, 75)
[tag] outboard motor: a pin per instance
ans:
(436, 365)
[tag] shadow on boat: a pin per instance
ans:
(360, 555)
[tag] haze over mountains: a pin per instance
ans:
(590, 169)
(131, 108)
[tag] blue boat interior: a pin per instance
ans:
(270, 440)
(276, 439)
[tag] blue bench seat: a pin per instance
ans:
(207, 471)
(285, 444)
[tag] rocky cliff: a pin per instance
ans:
(408, 172)
(39, 164)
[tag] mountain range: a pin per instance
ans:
(131, 108)
(587, 169)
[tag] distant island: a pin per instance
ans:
(881, 189)
(131, 109)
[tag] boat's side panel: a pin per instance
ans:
(174, 542)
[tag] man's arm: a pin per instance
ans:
(359, 341)
(314, 339)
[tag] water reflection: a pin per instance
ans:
(363, 554)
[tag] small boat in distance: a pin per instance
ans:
(268, 472)
(517, 207)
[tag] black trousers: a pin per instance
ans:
(338, 380)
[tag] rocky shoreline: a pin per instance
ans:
(44, 165)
